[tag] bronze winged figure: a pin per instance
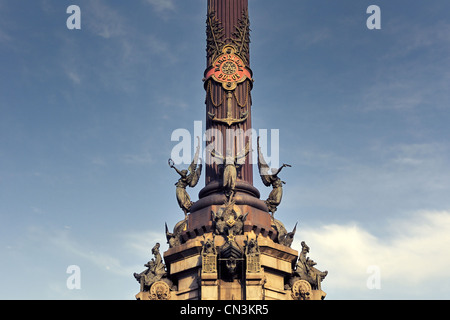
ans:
(271, 179)
(231, 165)
(189, 178)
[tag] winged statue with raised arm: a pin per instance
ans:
(270, 178)
(189, 178)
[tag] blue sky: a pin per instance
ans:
(86, 118)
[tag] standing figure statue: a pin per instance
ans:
(271, 179)
(232, 164)
(305, 269)
(155, 270)
(188, 178)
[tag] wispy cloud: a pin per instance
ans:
(4, 37)
(124, 57)
(410, 255)
(171, 102)
(415, 153)
(381, 177)
(400, 92)
(104, 21)
(140, 243)
(411, 258)
(415, 37)
(413, 71)
(99, 258)
(161, 5)
(139, 159)
(73, 75)
(317, 36)
(64, 241)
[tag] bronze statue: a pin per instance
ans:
(174, 238)
(305, 270)
(232, 165)
(271, 179)
(228, 221)
(155, 270)
(188, 178)
(284, 237)
(289, 237)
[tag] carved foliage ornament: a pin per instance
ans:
(229, 56)
(241, 37)
(215, 36)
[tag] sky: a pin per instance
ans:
(86, 119)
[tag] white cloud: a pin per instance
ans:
(412, 254)
(413, 257)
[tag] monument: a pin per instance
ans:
(229, 246)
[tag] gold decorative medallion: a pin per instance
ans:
(228, 69)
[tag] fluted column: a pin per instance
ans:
(228, 84)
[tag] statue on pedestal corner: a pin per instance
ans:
(155, 270)
(306, 271)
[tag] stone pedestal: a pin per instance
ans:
(184, 263)
(197, 275)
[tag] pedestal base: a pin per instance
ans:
(184, 265)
